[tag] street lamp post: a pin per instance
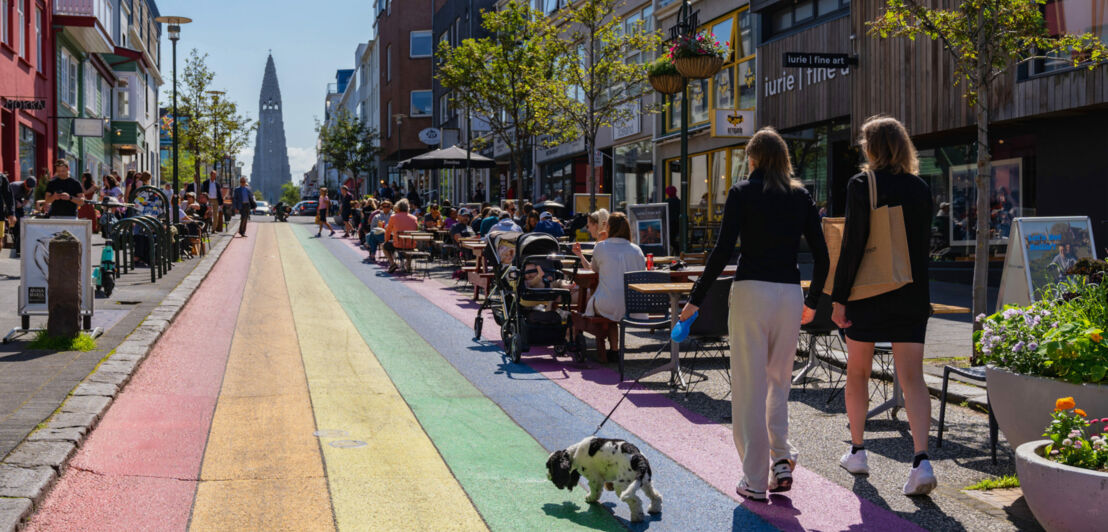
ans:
(399, 117)
(687, 21)
(174, 35)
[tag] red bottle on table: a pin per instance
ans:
(650, 261)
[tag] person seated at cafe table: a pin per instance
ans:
(433, 219)
(611, 258)
(490, 220)
(377, 225)
(549, 226)
(399, 223)
(461, 228)
(505, 223)
(449, 218)
(597, 225)
(530, 222)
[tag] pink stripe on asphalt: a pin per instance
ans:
(699, 444)
(139, 468)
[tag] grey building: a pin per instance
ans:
(271, 158)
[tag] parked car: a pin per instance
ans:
(261, 208)
(305, 208)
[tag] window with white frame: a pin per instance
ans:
(67, 80)
(105, 98)
(422, 103)
(420, 43)
(40, 62)
(124, 21)
(444, 108)
(4, 22)
(91, 105)
(122, 104)
(21, 21)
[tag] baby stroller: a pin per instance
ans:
(523, 298)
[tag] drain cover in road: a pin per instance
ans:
(347, 444)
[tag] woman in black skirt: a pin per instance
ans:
(899, 316)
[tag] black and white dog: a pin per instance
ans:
(612, 464)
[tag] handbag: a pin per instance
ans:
(886, 265)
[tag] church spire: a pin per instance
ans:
(271, 161)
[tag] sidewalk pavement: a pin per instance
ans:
(34, 383)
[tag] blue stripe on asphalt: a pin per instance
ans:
(552, 415)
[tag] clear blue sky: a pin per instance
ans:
(310, 40)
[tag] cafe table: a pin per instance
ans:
(897, 401)
(674, 291)
(587, 279)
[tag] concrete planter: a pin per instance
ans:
(1062, 497)
(1022, 403)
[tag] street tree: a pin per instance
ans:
(594, 86)
(348, 144)
(290, 194)
(986, 39)
(231, 130)
(495, 77)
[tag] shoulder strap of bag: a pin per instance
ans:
(871, 180)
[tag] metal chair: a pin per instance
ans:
(709, 333)
(639, 303)
(821, 335)
(976, 373)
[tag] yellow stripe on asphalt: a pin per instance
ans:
(262, 466)
(397, 480)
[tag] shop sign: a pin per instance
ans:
(733, 123)
(818, 60)
(499, 147)
(557, 152)
(801, 80)
(430, 136)
(632, 125)
(88, 127)
(24, 105)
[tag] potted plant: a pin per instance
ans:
(1053, 348)
(664, 76)
(699, 55)
(1065, 477)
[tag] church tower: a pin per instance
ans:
(271, 157)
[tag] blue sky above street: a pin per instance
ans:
(309, 42)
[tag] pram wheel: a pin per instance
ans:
(478, 323)
(579, 348)
(516, 349)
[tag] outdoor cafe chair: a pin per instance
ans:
(708, 335)
(652, 305)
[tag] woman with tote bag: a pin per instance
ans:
(767, 214)
(888, 223)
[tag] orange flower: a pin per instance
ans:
(1096, 337)
(1064, 403)
(1079, 412)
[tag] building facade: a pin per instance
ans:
(405, 46)
(27, 100)
(270, 168)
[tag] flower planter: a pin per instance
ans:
(667, 83)
(698, 67)
(1062, 497)
(1017, 402)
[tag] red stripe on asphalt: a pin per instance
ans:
(139, 469)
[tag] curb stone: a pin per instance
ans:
(29, 472)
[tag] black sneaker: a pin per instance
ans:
(781, 476)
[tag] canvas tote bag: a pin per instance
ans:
(886, 265)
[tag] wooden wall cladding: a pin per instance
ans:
(816, 94)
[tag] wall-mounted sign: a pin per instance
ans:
(630, 126)
(805, 78)
(430, 136)
(733, 123)
(36, 104)
(499, 147)
(543, 154)
(88, 127)
(818, 60)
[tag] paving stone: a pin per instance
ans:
(117, 378)
(73, 434)
(87, 404)
(144, 336)
(156, 324)
(128, 357)
(65, 420)
(96, 388)
(42, 453)
(28, 482)
(12, 512)
(119, 366)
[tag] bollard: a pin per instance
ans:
(63, 287)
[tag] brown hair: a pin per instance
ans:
(887, 146)
(60, 162)
(618, 226)
(402, 205)
(769, 152)
(372, 203)
(385, 205)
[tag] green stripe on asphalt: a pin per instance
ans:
(500, 466)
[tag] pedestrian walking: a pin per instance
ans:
(23, 200)
(899, 316)
(767, 213)
(242, 200)
(346, 210)
(321, 212)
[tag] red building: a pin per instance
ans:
(404, 40)
(26, 87)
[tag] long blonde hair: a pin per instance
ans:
(887, 146)
(770, 154)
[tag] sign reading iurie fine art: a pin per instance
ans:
(1040, 252)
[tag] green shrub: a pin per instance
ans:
(661, 67)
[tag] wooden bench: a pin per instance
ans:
(606, 332)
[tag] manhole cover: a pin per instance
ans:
(347, 444)
(330, 433)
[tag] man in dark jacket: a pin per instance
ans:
(242, 199)
(674, 206)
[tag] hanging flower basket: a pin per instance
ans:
(667, 83)
(699, 67)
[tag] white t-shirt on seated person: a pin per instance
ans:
(611, 259)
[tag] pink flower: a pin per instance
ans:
(1104, 420)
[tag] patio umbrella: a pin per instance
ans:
(452, 157)
(548, 205)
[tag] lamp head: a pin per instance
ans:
(174, 25)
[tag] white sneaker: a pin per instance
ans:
(921, 480)
(744, 489)
(855, 462)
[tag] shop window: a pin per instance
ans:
(1004, 201)
(633, 174)
(800, 14)
(27, 152)
(1071, 17)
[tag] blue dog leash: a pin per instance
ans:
(679, 333)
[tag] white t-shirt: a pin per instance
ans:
(611, 259)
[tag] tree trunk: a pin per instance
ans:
(984, 188)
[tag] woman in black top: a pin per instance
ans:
(899, 316)
(768, 213)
